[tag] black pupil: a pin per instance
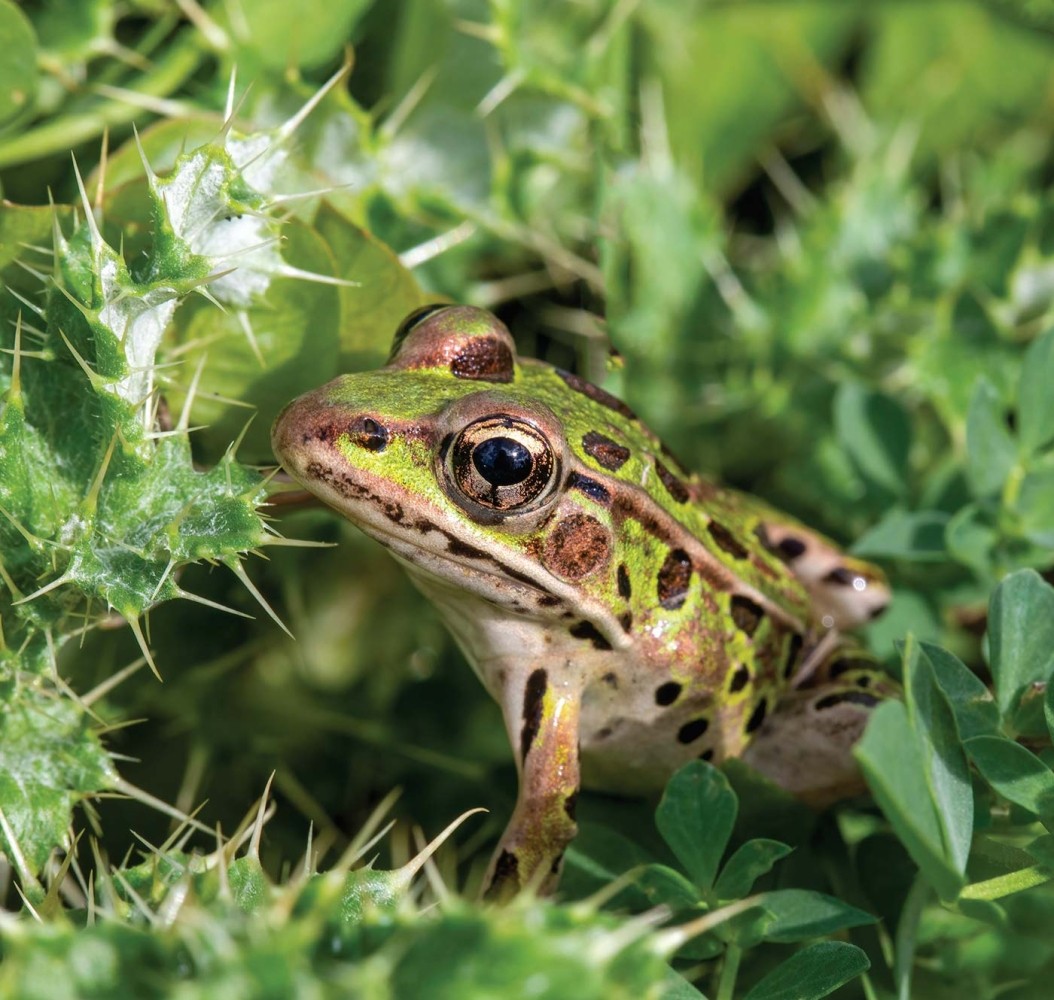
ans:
(502, 461)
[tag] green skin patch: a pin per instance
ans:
(609, 600)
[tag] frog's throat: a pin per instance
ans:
(435, 553)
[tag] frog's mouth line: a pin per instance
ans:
(386, 520)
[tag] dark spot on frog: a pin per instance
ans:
(851, 697)
(576, 547)
(691, 731)
(607, 453)
(726, 540)
(590, 487)
(790, 548)
(673, 485)
(505, 868)
(548, 601)
(456, 547)
(707, 754)
(611, 680)
(483, 359)
(840, 576)
(675, 575)
(603, 734)
(740, 679)
(668, 693)
(671, 457)
(625, 591)
(846, 663)
(571, 805)
(533, 698)
(746, 614)
(626, 621)
(368, 433)
(793, 649)
(391, 510)
(863, 682)
(758, 716)
(326, 433)
(587, 630)
(595, 393)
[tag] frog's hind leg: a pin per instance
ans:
(846, 592)
(542, 716)
(805, 746)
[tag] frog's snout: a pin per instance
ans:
(309, 425)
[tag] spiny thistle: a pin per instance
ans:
(216, 921)
(101, 505)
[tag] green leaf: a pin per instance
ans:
(665, 886)
(893, 755)
(49, 760)
(753, 859)
(813, 972)
(1042, 849)
(971, 538)
(875, 432)
(1048, 708)
(917, 536)
(695, 817)
(970, 699)
(947, 773)
(1035, 401)
(799, 914)
(18, 67)
(1034, 505)
(1020, 635)
(309, 33)
(1014, 772)
(990, 448)
(677, 987)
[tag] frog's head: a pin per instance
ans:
(454, 457)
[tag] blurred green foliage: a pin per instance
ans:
(820, 238)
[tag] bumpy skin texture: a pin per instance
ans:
(627, 616)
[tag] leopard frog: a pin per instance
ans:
(626, 615)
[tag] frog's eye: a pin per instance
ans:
(502, 463)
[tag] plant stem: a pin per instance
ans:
(907, 928)
(63, 133)
(729, 970)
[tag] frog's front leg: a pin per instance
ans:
(542, 708)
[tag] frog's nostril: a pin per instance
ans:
(368, 433)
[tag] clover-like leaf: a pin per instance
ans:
(1020, 635)
(875, 431)
(695, 817)
(1035, 402)
(990, 448)
(752, 860)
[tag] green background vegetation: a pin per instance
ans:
(820, 238)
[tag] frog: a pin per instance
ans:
(627, 615)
